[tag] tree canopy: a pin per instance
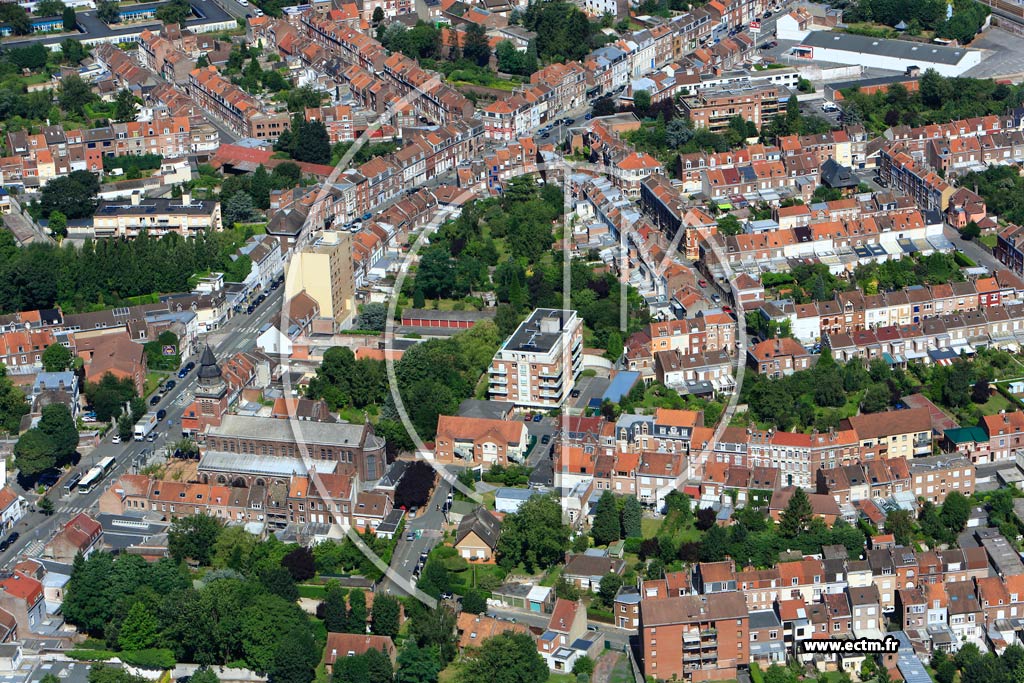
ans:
(534, 535)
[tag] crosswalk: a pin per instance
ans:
(72, 510)
(34, 548)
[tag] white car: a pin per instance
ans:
(116, 439)
(243, 3)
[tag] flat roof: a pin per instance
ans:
(896, 49)
(536, 334)
(270, 465)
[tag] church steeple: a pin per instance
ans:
(210, 384)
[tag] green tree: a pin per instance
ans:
(379, 667)
(433, 629)
(373, 316)
(642, 101)
(385, 615)
(796, 518)
(74, 195)
(70, 20)
(174, 12)
(278, 581)
(59, 428)
(295, 658)
(58, 224)
(17, 19)
(73, 94)
(204, 675)
(72, 51)
(313, 145)
(955, 511)
(632, 516)
(506, 658)
(194, 538)
(534, 535)
(614, 347)
(876, 398)
(239, 208)
(475, 45)
(606, 520)
(378, 15)
(900, 524)
(609, 587)
(416, 664)
(46, 506)
(971, 231)
(49, 8)
(124, 106)
(108, 11)
(729, 225)
(33, 453)
(355, 621)
(57, 358)
(139, 630)
(335, 610)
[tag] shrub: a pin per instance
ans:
(152, 658)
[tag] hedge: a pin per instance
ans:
(153, 658)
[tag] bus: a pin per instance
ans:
(72, 482)
(96, 475)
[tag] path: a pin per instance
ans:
(604, 666)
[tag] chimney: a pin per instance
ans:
(135, 198)
(186, 199)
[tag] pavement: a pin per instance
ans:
(1004, 55)
(237, 334)
(972, 249)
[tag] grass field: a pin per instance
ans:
(154, 379)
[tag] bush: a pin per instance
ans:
(91, 655)
(153, 658)
(632, 546)
(755, 674)
(455, 564)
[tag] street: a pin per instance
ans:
(430, 521)
(239, 333)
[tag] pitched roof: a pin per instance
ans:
(482, 523)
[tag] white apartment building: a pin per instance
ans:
(537, 366)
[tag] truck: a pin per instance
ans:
(146, 425)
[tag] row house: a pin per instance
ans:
(678, 370)
(899, 171)
(749, 485)
(691, 166)
(833, 145)
(934, 478)
(864, 480)
(237, 109)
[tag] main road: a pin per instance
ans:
(238, 334)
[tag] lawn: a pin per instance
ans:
(312, 591)
(552, 577)
(989, 241)
(561, 678)
(649, 527)
(153, 380)
(622, 672)
(995, 404)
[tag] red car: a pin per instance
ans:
(702, 283)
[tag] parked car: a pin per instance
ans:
(545, 439)
(170, 385)
(702, 283)
(716, 298)
(49, 478)
(575, 393)
(161, 414)
(156, 399)
(537, 417)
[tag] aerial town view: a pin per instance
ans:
(512, 341)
